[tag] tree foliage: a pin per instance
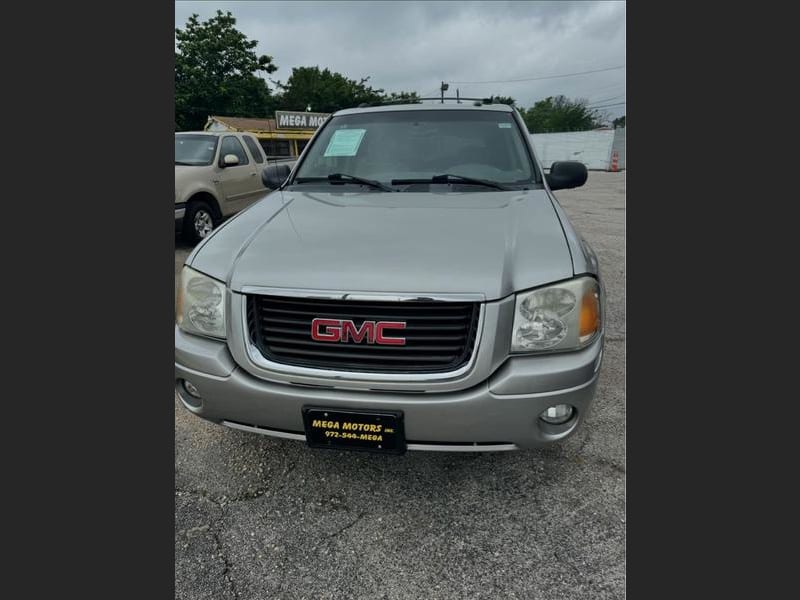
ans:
(217, 73)
(324, 91)
(327, 91)
(216, 70)
(409, 97)
(619, 122)
(503, 100)
(558, 113)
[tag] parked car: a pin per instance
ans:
(217, 174)
(413, 283)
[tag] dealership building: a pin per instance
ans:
(284, 136)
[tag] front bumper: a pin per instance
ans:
(500, 413)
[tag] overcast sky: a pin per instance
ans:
(413, 46)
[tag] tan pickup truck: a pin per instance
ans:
(217, 174)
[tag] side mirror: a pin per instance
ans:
(273, 176)
(567, 174)
(230, 160)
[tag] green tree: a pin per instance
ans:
(503, 100)
(558, 113)
(409, 97)
(324, 91)
(216, 70)
(619, 122)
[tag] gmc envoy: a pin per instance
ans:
(411, 284)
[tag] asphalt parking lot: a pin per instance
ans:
(257, 517)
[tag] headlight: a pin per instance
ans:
(201, 304)
(565, 316)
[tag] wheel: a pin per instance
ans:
(199, 220)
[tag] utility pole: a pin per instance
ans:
(444, 88)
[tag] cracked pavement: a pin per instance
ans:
(257, 517)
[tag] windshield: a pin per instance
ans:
(418, 145)
(195, 150)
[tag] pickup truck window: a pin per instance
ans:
(254, 149)
(195, 150)
(420, 145)
(231, 145)
(277, 147)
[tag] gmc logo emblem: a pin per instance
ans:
(338, 330)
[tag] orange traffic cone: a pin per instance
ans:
(615, 161)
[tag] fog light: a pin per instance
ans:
(190, 389)
(558, 414)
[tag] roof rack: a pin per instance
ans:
(459, 99)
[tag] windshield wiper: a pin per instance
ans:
(345, 177)
(450, 178)
(185, 164)
(341, 177)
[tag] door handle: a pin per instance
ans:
(252, 174)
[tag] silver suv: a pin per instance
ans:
(411, 284)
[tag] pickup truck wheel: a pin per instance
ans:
(199, 221)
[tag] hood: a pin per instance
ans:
(492, 243)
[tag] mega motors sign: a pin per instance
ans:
(299, 120)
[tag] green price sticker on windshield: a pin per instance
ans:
(345, 142)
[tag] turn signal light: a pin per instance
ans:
(590, 315)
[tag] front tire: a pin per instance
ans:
(199, 221)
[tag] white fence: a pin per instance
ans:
(595, 149)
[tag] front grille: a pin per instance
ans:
(440, 336)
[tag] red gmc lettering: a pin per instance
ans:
(383, 339)
(367, 331)
(335, 330)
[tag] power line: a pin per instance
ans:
(429, 93)
(539, 78)
(606, 99)
(607, 105)
(605, 88)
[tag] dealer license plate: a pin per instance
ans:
(374, 431)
